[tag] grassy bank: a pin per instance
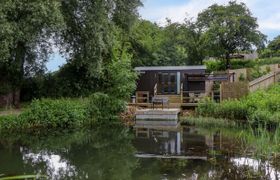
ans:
(260, 107)
(47, 114)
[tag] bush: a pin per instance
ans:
(206, 108)
(8, 122)
(103, 108)
(234, 109)
(262, 106)
(60, 113)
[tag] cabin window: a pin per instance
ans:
(167, 83)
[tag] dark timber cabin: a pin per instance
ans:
(181, 85)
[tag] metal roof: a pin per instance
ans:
(169, 68)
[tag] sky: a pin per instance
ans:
(267, 13)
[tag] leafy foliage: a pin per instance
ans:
(103, 109)
(26, 30)
(217, 65)
(262, 106)
(229, 29)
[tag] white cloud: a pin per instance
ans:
(267, 12)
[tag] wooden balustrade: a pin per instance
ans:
(142, 96)
(155, 89)
(192, 96)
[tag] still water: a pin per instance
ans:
(118, 153)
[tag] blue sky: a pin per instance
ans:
(266, 11)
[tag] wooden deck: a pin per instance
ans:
(170, 105)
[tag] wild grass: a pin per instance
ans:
(265, 144)
(260, 107)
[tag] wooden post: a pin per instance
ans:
(221, 91)
(182, 93)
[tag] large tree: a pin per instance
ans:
(26, 32)
(229, 28)
(88, 32)
(90, 40)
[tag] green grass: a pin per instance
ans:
(260, 107)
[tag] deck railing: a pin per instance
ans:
(192, 96)
(142, 97)
(155, 89)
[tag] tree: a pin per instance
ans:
(146, 39)
(229, 29)
(172, 52)
(89, 41)
(274, 45)
(26, 30)
(194, 42)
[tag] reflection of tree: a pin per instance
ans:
(107, 154)
(103, 153)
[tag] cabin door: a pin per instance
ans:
(167, 83)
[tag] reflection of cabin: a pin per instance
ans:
(182, 85)
(186, 142)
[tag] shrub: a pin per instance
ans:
(262, 106)
(103, 108)
(232, 109)
(8, 122)
(206, 108)
(60, 113)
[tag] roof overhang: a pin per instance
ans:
(169, 68)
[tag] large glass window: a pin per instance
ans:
(167, 83)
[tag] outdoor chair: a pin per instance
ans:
(160, 100)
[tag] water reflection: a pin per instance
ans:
(180, 141)
(116, 153)
(55, 166)
(99, 154)
(193, 153)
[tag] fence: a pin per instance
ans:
(233, 90)
(264, 81)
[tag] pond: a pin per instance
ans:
(119, 153)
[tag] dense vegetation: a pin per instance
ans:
(260, 107)
(102, 41)
(91, 35)
(217, 65)
(45, 114)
